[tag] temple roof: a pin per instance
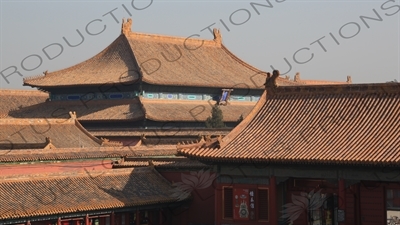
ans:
(17, 99)
(115, 64)
(159, 60)
(133, 110)
(45, 133)
(166, 60)
(60, 193)
(328, 124)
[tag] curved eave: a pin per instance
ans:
(36, 81)
(270, 161)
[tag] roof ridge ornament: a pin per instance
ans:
(72, 115)
(349, 81)
(297, 77)
(48, 143)
(217, 36)
(126, 26)
(270, 82)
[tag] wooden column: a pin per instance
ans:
(357, 204)
(342, 197)
(59, 221)
(112, 218)
(28, 222)
(273, 212)
(218, 209)
(160, 220)
(137, 217)
(87, 219)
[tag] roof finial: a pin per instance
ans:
(72, 115)
(126, 26)
(297, 77)
(349, 80)
(270, 82)
(217, 36)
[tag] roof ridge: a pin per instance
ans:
(23, 92)
(241, 61)
(239, 128)
(64, 174)
(29, 121)
(336, 89)
(297, 79)
(81, 128)
(172, 39)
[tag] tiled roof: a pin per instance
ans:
(115, 64)
(161, 60)
(129, 109)
(191, 110)
(30, 155)
(333, 124)
(31, 133)
(16, 99)
(52, 194)
(134, 110)
(166, 60)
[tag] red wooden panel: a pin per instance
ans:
(372, 206)
(228, 202)
(263, 204)
(350, 207)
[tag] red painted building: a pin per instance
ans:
(315, 155)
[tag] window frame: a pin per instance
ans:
(223, 202)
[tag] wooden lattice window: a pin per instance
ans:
(228, 202)
(263, 204)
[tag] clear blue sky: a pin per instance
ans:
(349, 44)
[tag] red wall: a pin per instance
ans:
(201, 209)
(219, 207)
(372, 204)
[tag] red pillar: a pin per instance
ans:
(137, 217)
(217, 198)
(160, 221)
(357, 205)
(28, 222)
(273, 216)
(342, 197)
(87, 219)
(112, 218)
(59, 221)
